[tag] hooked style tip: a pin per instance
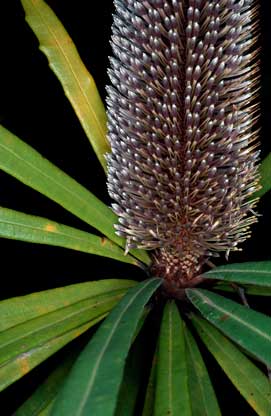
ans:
(182, 111)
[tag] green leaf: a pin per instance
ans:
(141, 321)
(250, 329)
(47, 410)
(265, 173)
(246, 377)
(256, 273)
(94, 382)
(16, 367)
(203, 398)
(150, 392)
(33, 330)
(249, 289)
(19, 226)
(132, 379)
(172, 392)
(45, 394)
(17, 310)
(78, 84)
(24, 163)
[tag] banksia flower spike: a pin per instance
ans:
(182, 111)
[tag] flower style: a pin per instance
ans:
(182, 113)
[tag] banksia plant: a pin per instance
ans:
(178, 148)
(182, 126)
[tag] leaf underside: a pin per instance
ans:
(249, 289)
(256, 273)
(246, 377)
(132, 379)
(248, 328)
(150, 392)
(203, 398)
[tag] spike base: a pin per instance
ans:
(178, 271)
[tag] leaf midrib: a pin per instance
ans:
(30, 352)
(199, 378)
(234, 317)
(99, 359)
(170, 398)
(60, 319)
(228, 271)
(57, 232)
(59, 184)
(71, 69)
(239, 368)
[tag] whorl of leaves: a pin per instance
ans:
(182, 111)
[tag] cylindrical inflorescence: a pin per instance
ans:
(182, 111)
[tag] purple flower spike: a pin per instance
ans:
(182, 111)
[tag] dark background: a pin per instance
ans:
(33, 106)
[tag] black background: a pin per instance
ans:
(33, 106)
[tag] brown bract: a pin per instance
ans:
(182, 112)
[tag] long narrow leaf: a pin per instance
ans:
(76, 81)
(27, 165)
(47, 410)
(265, 172)
(203, 398)
(26, 336)
(45, 394)
(252, 273)
(132, 378)
(172, 391)
(32, 338)
(250, 329)
(19, 226)
(150, 392)
(94, 382)
(246, 377)
(249, 289)
(18, 310)
(20, 365)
